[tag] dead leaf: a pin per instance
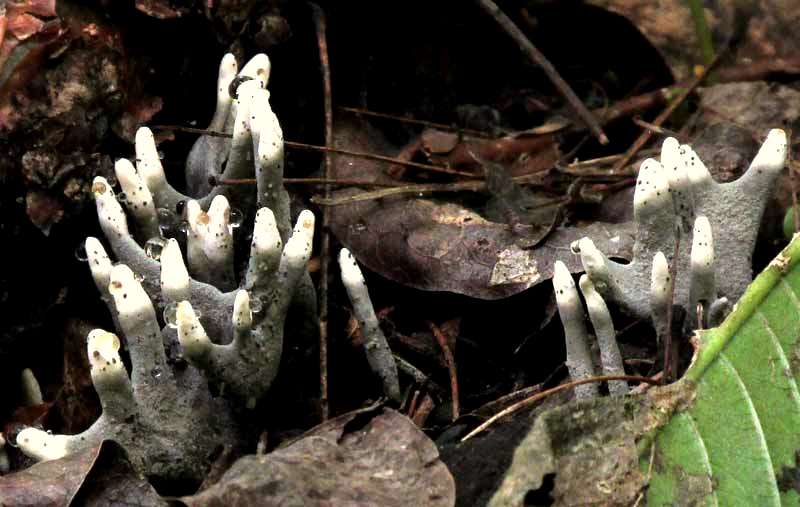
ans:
(98, 476)
(112, 480)
(368, 457)
(433, 245)
(581, 453)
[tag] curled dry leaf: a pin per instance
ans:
(368, 457)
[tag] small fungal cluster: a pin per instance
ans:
(704, 230)
(229, 331)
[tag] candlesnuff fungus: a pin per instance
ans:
(679, 209)
(230, 331)
(669, 199)
(376, 347)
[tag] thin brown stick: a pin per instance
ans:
(318, 17)
(657, 129)
(419, 378)
(666, 113)
(382, 158)
(461, 186)
(307, 181)
(668, 368)
(539, 59)
(327, 149)
(563, 387)
(424, 123)
(451, 366)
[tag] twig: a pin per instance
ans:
(656, 129)
(424, 123)
(534, 54)
(326, 149)
(666, 113)
(318, 17)
(451, 366)
(382, 158)
(469, 186)
(668, 341)
(563, 387)
(419, 377)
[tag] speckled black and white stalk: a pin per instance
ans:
(379, 355)
(610, 357)
(679, 208)
(570, 308)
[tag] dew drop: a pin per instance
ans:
(154, 247)
(112, 180)
(255, 305)
(11, 432)
(138, 277)
(184, 227)
(179, 207)
(171, 315)
(156, 372)
(80, 252)
(236, 218)
(122, 197)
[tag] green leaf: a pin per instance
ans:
(737, 440)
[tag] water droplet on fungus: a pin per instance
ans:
(255, 305)
(236, 218)
(154, 247)
(171, 315)
(80, 252)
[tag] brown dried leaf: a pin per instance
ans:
(434, 245)
(98, 476)
(369, 457)
(112, 480)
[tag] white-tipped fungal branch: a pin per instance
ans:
(707, 229)
(230, 331)
(379, 355)
(579, 357)
(671, 194)
(610, 357)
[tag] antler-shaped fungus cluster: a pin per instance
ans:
(707, 230)
(164, 415)
(677, 197)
